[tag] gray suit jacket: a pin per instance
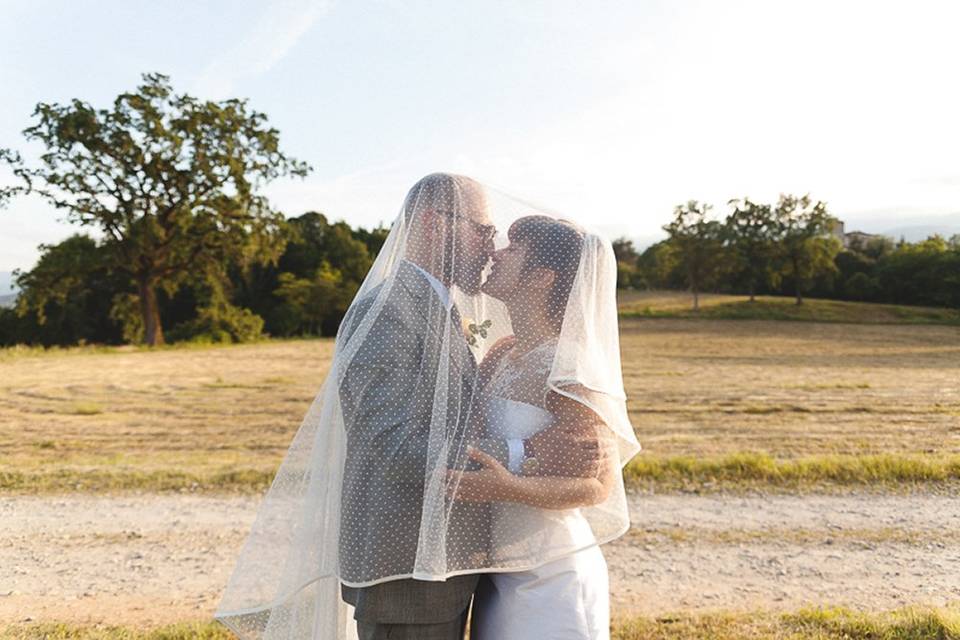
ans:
(387, 397)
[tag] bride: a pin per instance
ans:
(567, 597)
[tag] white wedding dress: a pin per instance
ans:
(568, 597)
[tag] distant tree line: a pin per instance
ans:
(190, 249)
(73, 295)
(788, 248)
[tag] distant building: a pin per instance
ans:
(837, 230)
(858, 238)
(852, 238)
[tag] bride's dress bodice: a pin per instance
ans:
(514, 401)
(565, 593)
(508, 418)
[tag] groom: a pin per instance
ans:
(387, 395)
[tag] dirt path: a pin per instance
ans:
(153, 559)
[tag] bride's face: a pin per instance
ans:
(504, 280)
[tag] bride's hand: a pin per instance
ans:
(493, 483)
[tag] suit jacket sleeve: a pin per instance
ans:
(385, 395)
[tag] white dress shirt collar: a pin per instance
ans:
(442, 291)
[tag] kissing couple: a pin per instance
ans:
(463, 457)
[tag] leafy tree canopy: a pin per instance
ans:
(173, 182)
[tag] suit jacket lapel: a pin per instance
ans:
(430, 307)
(460, 341)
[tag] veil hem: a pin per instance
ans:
(220, 615)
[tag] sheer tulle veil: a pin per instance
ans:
(364, 492)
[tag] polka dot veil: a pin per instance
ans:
(473, 419)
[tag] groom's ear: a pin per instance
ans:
(434, 223)
(428, 217)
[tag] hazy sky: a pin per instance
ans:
(611, 112)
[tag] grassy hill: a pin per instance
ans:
(679, 304)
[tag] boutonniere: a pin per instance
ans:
(471, 330)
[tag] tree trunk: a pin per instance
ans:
(696, 299)
(796, 281)
(752, 292)
(150, 312)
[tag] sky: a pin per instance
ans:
(609, 112)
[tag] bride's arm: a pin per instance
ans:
(496, 484)
(551, 492)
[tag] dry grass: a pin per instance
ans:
(66, 631)
(865, 538)
(823, 623)
(722, 402)
(168, 419)
(708, 389)
(897, 472)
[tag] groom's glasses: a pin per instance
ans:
(485, 231)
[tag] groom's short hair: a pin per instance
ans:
(441, 191)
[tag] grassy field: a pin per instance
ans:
(909, 623)
(716, 404)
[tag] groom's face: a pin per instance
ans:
(473, 238)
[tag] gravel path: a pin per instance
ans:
(859, 550)
(153, 559)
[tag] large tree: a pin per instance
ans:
(808, 247)
(172, 182)
(697, 242)
(751, 234)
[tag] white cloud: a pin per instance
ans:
(366, 197)
(277, 31)
(848, 103)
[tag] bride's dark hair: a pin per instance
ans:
(551, 244)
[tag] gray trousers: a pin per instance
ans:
(452, 630)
